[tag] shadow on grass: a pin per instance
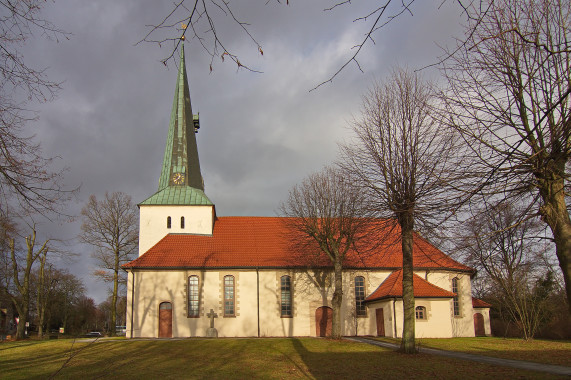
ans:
(266, 358)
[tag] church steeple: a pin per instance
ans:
(181, 182)
(180, 164)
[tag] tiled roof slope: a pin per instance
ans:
(476, 302)
(392, 287)
(264, 242)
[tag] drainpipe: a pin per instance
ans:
(258, 297)
(132, 302)
(395, 317)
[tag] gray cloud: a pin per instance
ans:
(261, 133)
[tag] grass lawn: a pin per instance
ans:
(537, 350)
(266, 358)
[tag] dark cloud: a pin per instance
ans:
(261, 133)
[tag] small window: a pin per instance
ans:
(456, 301)
(229, 296)
(193, 297)
(420, 312)
(285, 288)
(182, 222)
(168, 222)
(360, 309)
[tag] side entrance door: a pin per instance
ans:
(165, 320)
(479, 328)
(380, 322)
(323, 320)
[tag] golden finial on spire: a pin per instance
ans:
(183, 26)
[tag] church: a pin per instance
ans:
(197, 272)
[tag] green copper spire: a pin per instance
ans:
(181, 181)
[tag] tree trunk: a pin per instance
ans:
(337, 300)
(114, 296)
(554, 213)
(41, 295)
(408, 333)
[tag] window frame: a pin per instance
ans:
(456, 298)
(229, 300)
(193, 295)
(422, 311)
(182, 222)
(169, 222)
(359, 289)
(286, 299)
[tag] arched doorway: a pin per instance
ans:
(479, 329)
(165, 320)
(323, 318)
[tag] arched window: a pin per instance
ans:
(456, 301)
(193, 297)
(168, 222)
(285, 288)
(229, 296)
(182, 222)
(420, 312)
(360, 309)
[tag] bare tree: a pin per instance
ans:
(326, 216)
(24, 173)
(111, 227)
(401, 159)
(19, 287)
(509, 254)
(509, 98)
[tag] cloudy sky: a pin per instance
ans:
(260, 134)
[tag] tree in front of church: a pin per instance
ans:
(110, 225)
(326, 215)
(400, 159)
(509, 96)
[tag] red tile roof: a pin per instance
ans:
(476, 302)
(264, 242)
(392, 287)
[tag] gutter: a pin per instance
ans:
(258, 297)
(132, 302)
(395, 316)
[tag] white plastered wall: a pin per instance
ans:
(310, 290)
(153, 222)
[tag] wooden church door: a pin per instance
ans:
(479, 328)
(380, 322)
(323, 321)
(165, 320)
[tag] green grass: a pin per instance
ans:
(537, 350)
(267, 358)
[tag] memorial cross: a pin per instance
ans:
(212, 315)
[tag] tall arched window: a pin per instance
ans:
(168, 222)
(229, 296)
(182, 222)
(360, 309)
(193, 297)
(420, 312)
(456, 301)
(285, 289)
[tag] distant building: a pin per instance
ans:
(191, 262)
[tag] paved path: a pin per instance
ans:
(531, 366)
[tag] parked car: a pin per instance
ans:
(93, 334)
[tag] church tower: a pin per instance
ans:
(180, 204)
